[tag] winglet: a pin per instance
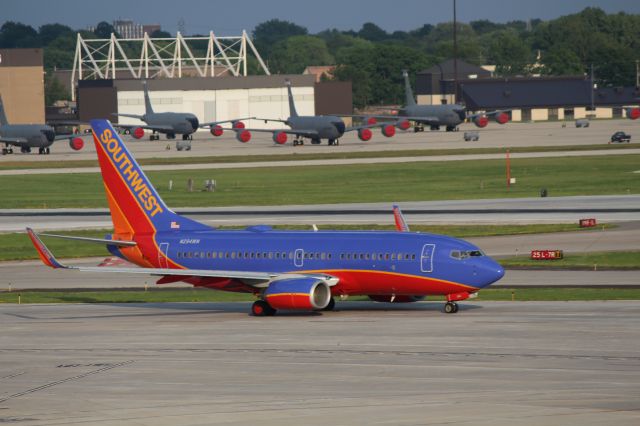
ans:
(44, 253)
(401, 224)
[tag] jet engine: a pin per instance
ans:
(306, 293)
(481, 121)
(389, 130)
(216, 130)
(138, 133)
(388, 298)
(632, 113)
(371, 120)
(76, 144)
(243, 136)
(364, 134)
(403, 124)
(279, 137)
(237, 124)
(501, 118)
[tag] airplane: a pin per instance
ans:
(632, 113)
(169, 123)
(314, 127)
(27, 136)
(448, 115)
(286, 270)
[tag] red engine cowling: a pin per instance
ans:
(501, 118)
(388, 298)
(389, 130)
(371, 120)
(279, 137)
(76, 144)
(481, 121)
(298, 293)
(632, 113)
(237, 125)
(403, 124)
(243, 136)
(216, 130)
(364, 134)
(138, 133)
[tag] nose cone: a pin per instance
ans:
(492, 271)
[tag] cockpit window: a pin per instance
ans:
(463, 254)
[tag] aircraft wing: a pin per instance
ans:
(420, 119)
(72, 135)
(14, 141)
(299, 132)
(144, 126)
(214, 123)
(254, 279)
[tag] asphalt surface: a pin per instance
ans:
(493, 136)
(616, 208)
(493, 363)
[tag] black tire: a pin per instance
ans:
(450, 308)
(261, 308)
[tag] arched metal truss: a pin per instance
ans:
(162, 57)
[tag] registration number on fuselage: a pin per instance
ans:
(190, 241)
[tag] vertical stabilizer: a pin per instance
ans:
(135, 205)
(3, 117)
(148, 109)
(292, 105)
(408, 93)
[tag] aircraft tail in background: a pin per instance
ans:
(148, 109)
(408, 93)
(292, 105)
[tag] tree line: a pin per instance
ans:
(373, 58)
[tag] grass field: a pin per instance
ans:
(156, 295)
(17, 246)
(8, 165)
(595, 260)
(395, 182)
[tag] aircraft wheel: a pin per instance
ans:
(450, 308)
(331, 306)
(40, 151)
(5, 151)
(261, 308)
(48, 150)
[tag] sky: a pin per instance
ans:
(230, 18)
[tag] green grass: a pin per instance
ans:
(17, 246)
(601, 260)
(346, 184)
(158, 295)
(8, 165)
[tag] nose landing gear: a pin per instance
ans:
(451, 308)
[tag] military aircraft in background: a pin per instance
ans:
(28, 136)
(447, 115)
(168, 123)
(314, 127)
(632, 113)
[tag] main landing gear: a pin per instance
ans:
(261, 308)
(451, 308)
(7, 150)
(334, 142)
(44, 151)
(297, 142)
(154, 136)
(418, 128)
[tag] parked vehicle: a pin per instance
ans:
(619, 137)
(471, 136)
(582, 122)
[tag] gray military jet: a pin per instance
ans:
(28, 136)
(447, 115)
(170, 124)
(314, 127)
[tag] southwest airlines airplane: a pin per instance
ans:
(287, 270)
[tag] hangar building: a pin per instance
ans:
(22, 85)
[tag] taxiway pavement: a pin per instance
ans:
(493, 363)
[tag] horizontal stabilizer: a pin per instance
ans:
(94, 240)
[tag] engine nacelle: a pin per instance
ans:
(364, 134)
(279, 137)
(501, 118)
(138, 133)
(243, 136)
(388, 298)
(371, 120)
(403, 124)
(76, 144)
(389, 130)
(216, 130)
(481, 121)
(632, 113)
(298, 293)
(237, 124)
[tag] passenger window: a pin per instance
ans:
(270, 255)
(329, 256)
(323, 256)
(214, 254)
(233, 254)
(393, 256)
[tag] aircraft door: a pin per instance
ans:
(426, 258)
(298, 258)
(163, 255)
